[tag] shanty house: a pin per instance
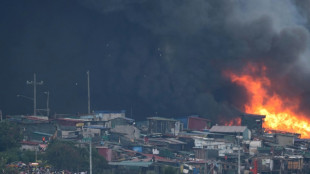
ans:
(253, 122)
(285, 139)
(163, 125)
(29, 145)
(109, 115)
(119, 121)
(197, 123)
(233, 130)
(94, 130)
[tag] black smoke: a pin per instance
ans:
(163, 57)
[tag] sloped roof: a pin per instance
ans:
(228, 129)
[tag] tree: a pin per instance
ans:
(66, 156)
(3, 164)
(28, 156)
(170, 170)
(10, 136)
(99, 162)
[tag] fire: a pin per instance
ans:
(280, 112)
(233, 122)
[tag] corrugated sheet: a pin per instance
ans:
(228, 129)
(161, 118)
(132, 163)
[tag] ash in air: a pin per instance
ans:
(163, 57)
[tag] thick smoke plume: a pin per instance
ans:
(167, 57)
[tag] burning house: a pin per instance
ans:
(253, 121)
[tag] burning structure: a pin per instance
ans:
(281, 112)
(253, 122)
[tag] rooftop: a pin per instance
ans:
(132, 163)
(161, 118)
(228, 129)
(253, 115)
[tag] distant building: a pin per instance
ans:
(163, 125)
(129, 131)
(93, 130)
(197, 123)
(233, 130)
(206, 154)
(285, 139)
(112, 123)
(29, 145)
(105, 152)
(69, 121)
(253, 122)
(108, 115)
(103, 115)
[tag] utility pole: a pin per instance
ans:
(239, 157)
(0, 115)
(47, 103)
(238, 138)
(90, 158)
(88, 91)
(34, 83)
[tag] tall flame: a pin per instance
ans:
(280, 111)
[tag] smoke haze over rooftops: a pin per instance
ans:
(165, 56)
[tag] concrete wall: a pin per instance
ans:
(29, 147)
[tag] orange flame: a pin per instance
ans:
(233, 122)
(280, 112)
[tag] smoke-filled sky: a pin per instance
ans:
(163, 57)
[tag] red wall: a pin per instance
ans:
(105, 152)
(196, 123)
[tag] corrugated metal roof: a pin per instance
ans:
(96, 127)
(161, 118)
(228, 129)
(132, 163)
(110, 112)
(43, 133)
(253, 115)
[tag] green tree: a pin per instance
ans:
(10, 136)
(3, 165)
(99, 162)
(28, 156)
(170, 170)
(65, 155)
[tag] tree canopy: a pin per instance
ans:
(65, 155)
(10, 136)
